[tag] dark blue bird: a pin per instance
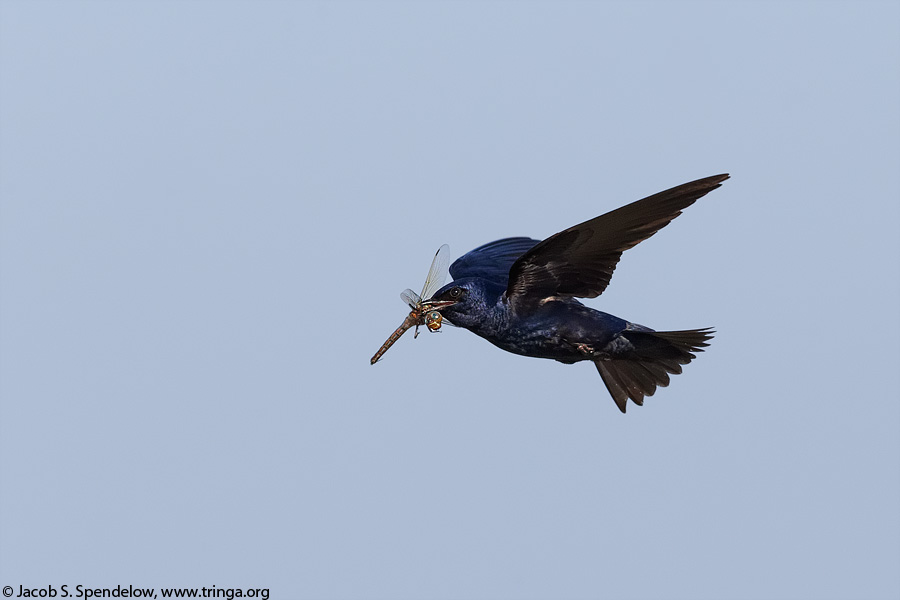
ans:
(520, 295)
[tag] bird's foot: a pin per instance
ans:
(585, 349)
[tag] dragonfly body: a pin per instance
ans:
(422, 312)
(411, 320)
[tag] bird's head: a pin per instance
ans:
(465, 302)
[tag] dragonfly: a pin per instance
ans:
(422, 311)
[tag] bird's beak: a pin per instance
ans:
(439, 304)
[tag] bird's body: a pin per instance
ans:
(562, 329)
(520, 295)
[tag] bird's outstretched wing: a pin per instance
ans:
(492, 261)
(580, 261)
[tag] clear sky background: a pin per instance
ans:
(209, 210)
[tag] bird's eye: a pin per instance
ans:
(455, 292)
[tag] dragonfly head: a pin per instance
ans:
(433, 320)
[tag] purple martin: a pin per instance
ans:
(520, 294)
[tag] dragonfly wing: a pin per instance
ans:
(411, 298)
(437, 274)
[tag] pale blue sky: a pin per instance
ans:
(210, 208)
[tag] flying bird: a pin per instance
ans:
(521, 294)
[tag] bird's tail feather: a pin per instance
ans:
(647, 365)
